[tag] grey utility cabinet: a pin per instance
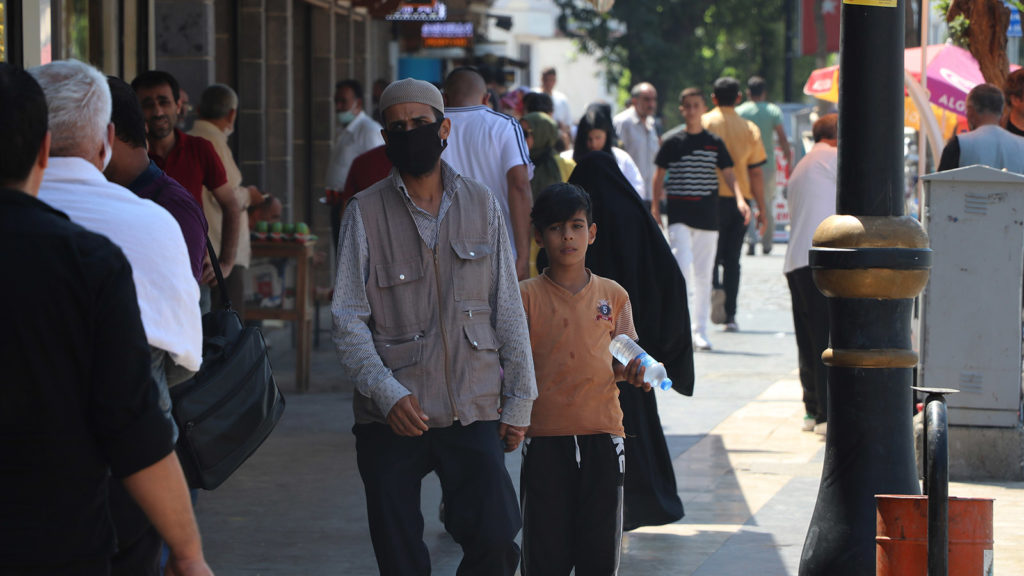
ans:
(971, 308)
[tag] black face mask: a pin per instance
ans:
(416, 151)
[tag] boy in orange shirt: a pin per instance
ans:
(573, 456)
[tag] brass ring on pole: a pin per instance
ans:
(875, 358)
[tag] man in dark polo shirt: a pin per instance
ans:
(131, 167)
(191, 161)
(77, 404)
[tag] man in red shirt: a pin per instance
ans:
(191, 161)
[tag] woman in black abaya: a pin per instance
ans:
(631, 249)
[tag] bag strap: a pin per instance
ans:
(220, 277)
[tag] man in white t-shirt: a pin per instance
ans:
(490, 147)
(811, 193)
(561, 113)
(356, 133)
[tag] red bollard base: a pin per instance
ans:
(901, 536)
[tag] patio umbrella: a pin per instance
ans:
(951, 71)
(823, 84)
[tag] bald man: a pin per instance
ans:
(635, 126)
(490, 147)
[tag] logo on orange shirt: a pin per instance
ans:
(604, 311)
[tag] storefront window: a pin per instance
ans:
(3, 30)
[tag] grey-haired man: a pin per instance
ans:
(427, 313)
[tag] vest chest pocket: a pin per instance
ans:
(471, 269)
(399, 295)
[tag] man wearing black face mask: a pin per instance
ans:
(426, 314)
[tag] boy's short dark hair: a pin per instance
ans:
(156, 78)
(691, 91)
(129, 123)
(726, 91)
(558, 203)
(352, 84)
(757, 86)
(538, 102)
(24, 119)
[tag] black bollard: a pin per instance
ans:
(870, 261)
(936, 477)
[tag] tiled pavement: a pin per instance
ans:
(747, 475)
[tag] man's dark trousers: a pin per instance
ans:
(731, 231)
(481, 510)
(810, 322)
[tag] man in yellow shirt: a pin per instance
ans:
(743, 141)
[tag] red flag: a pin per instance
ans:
(809, 36)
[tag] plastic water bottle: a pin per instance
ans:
(624, 349)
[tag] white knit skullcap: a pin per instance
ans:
(411, 90)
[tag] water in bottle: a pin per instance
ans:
(624, 349)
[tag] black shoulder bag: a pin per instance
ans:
(232, 404)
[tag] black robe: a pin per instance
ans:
(631, 249)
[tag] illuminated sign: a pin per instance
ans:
(446, 42)
(420, 12)
(447, 30)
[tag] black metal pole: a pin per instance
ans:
(870, 261)
(788, 7)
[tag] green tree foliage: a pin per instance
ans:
(674, 44)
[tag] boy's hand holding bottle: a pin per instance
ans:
(632, 373)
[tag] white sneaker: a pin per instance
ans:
(821, 428)
(808, 425)
(701, 343)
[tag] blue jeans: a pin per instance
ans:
(157, 369)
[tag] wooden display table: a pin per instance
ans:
(301, 315)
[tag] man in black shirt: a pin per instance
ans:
(77, 403)
(690, 158)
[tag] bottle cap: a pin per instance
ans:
(665, 384)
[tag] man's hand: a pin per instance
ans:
(744, 209)
(188, 568)
(208, 276)
(762, 222)
(632, 373)
(225, 268)
(522, 266)
(511, 435)
(406, 418)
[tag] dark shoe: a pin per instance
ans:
(718, 306)
(750, 250)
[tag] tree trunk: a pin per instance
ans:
(989, 20)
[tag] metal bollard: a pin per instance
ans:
(936, 478)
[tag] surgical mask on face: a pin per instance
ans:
(229, 131)
(416, 151)
(347, 116)
(108, 153)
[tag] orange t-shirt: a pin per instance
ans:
(570, 334)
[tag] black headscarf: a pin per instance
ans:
(631, 249)
(597, 117)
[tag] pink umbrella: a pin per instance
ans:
(952, 73)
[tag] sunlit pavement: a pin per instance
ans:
(747, 475)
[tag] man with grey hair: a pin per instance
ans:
(635, 127)
(218, 110)
(427, 312)
(82, 134)
(987, 143)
